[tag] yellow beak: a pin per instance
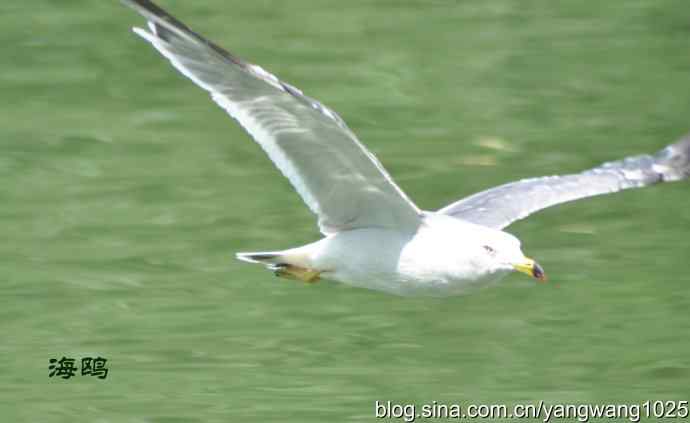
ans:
(532, 268)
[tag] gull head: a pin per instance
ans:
(501, 251)
(467, 251)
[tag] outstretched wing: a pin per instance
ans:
(337, 177)
(500, 206)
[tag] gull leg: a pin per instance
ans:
(289, 271)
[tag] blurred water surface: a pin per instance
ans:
(125, 193)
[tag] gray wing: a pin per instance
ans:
(500, 206)
(337, 177)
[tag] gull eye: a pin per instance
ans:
(489, 250)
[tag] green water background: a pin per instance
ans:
(124, 193)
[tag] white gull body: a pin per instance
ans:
(374, 235)
(443, 256)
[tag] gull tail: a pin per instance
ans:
(266, 257)
(290, 264)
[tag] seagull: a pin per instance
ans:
(374, 236)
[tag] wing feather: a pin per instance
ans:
(500, 206)
(337, 177)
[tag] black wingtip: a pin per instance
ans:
(674, 160)
(160, 18)
(151, 10)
